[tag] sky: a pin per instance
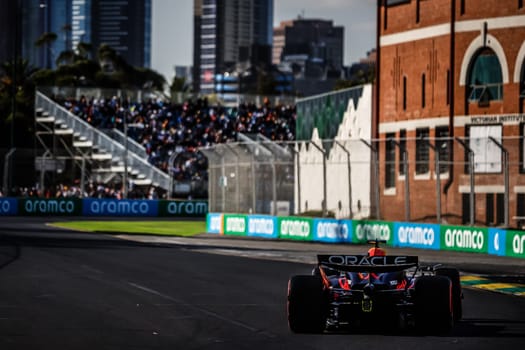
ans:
(172, 27)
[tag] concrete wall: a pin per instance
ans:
(356, 125)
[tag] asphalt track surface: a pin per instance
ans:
(68, 290)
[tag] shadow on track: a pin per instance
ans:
(467, 328)
(8, 252)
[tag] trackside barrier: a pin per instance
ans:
(493, 241)
(101, 207)
(8, 206)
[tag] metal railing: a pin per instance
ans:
(102, 141)
(133, 146)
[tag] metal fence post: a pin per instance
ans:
(172, 173)
(237, 177)
(407, 177)
(8, 171)
(125, 179)
(83, 176)
(407, 186)
(298, 160)
(438, 181)
(223, 185)
(375, 166)
(274, 187)
(472, 184)
(351, 214)
(254, 193)
(325, 204)
(505, 178)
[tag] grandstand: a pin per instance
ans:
(143, 140)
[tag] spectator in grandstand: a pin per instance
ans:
(165, 129)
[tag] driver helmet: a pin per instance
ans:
(376, 252)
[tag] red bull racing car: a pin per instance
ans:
(346, 291)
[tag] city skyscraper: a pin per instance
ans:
(8, 32)
(81, 22)
(228, 32)
(125, 26)
(38, 18)
(318, 40)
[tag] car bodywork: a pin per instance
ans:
(348, 291)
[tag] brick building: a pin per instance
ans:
(451, 83)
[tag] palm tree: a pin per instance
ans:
(17, 94)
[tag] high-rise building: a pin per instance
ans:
(39, 18)
(8, 32)
(279, 39)
(125, 26)
(80, 22)
(318, 40)
(228, 32)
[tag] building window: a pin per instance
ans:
(442, 145)
(404, 93)
(487, 155)
(423, 78)
(462, 7)
(485, 80)
(422, 151)
(390, 161)
(494, 212)
(520, 4)
(402, 148)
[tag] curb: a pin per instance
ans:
(478, 282)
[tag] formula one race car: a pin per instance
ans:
(376, 289)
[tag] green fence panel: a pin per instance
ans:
(515, 245)
(362, 231)
(235, 224)
(464, 239)
(295, 228)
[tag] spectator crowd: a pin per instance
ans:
(164, 128)
(91, 190)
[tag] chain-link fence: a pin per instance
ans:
(251, 177)
(471, 180)
(478, 179)
(20, 171)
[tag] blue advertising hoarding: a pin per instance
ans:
(8, 206)
(497, 240)
(332, 230)
(119, 207)
(214, 223)
(262, 226)
(416, 235)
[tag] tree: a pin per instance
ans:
(364, 75)
(17, 98)
(178, 85)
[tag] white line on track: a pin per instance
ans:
(207, 312)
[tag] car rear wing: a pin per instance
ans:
(360, 263)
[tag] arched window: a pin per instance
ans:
(522, 81)
(485, 79)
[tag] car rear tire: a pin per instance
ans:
(457, 303)
(307, 304)
(433, 309)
